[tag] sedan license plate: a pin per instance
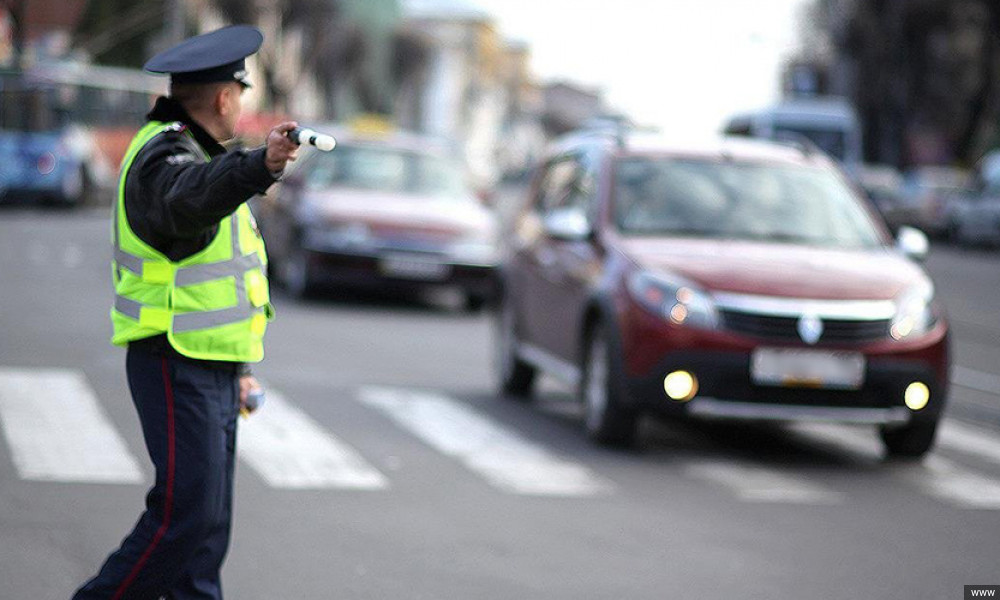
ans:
(413, 267)
(807, 368)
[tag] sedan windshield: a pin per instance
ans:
(701, 198)
(385, 170)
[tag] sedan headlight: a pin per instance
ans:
(915, 312)
(336, 237)
(675, 299)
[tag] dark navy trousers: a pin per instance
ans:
(188, 413)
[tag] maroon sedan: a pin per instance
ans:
(739, 279)
(385, 211)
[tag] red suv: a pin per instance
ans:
(738, 279)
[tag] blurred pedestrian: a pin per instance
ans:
(191, 303)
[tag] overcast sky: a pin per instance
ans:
(683, 65)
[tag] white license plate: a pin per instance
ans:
(807, 368)
(410, 267)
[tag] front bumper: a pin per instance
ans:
(367, 270)
(721, 362)
(726, 390)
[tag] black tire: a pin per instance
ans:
(515, 378)
(475, 303)
(607, 420)
(951, 232)
(295, 275)
(910, 441)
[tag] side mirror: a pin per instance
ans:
(567, 223)
(912, 243)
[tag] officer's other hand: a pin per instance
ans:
(280, 149)
(247, 383)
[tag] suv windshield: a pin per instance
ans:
(702, 198)
(385, 170)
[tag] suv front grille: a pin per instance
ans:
(835, 331)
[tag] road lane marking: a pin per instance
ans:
(290, 450)
(508, 461)
(862, 442)
(968, 439)
(754, 483)
(948, 482)
(936, 476)
(976, 380)
(57, 431)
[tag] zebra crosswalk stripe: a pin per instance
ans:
(950, 483)
(969, 440)
(288, 449)
(57, 430)
(754, 483)
(505, 459)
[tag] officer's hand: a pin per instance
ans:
(280, 149)
(247, 383)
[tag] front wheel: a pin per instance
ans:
(606, 419)
(910, 441)
(474, 302)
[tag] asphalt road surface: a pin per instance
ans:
(383, 466)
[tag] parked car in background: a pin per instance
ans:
(47, 167)
(883, 184)
(830, 123)
(741, 279)
(383, 209)
(928, 193)
(974, 216)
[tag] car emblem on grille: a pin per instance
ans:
(810, 328)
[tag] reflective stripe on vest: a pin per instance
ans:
(201, 310)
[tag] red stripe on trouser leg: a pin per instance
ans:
(168, 502)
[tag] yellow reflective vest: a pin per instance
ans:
(213, 305)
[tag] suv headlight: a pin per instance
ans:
(674, 298)
(916, 313)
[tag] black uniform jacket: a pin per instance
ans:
(174, 199)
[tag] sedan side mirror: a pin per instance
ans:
(912, 243)
(567, 223)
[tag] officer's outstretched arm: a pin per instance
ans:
(185, 196)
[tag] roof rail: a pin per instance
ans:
(800, 142)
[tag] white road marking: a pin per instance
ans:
(753, 483)
(936, 476)
(948, 482)
(976, 380)
(57, 430)
(505, 459)
(861, 441)
(288, 449)
(968, 439)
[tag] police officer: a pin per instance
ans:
(191, 303)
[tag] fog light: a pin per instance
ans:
(916, 395)
(680, 386)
